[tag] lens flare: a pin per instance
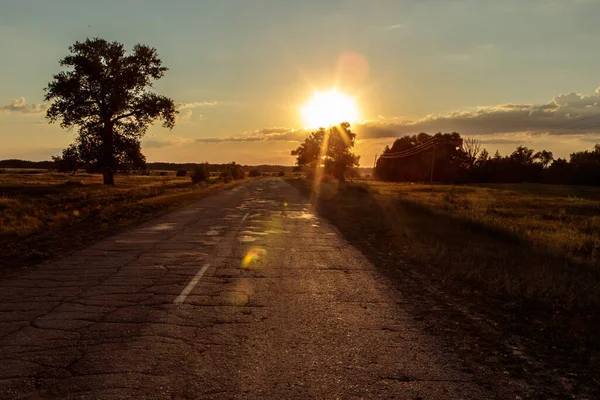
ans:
(254, 258)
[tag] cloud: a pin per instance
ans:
(571, 114)
(195, 104)
(270, 131)
(229, 139)
(204, 104)
(184, 117)
(20, 106)
(565, 114)
(155, 142)
(392, 27)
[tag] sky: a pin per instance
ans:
(511, 72)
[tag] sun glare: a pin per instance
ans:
(325, 109)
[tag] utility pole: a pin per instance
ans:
(375, 161)
(432, 165)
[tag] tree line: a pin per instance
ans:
(450, 158)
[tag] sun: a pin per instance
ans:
(329, 108)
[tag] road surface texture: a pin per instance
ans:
(245, 294)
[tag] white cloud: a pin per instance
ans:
(195, 104)
(184, 117)
(394, 26)
(20, 106)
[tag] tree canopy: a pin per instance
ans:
(456, 159)
(329, 148)
(106, 94)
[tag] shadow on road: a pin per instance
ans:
(484, 291)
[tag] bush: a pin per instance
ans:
(181, 172)
(281, 173)
(253, 173)
(234, 171)
(200, 173)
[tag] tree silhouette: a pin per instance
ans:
(329, 148)
(471, 147)
(69, 161)
(545, 157)
(106, 94)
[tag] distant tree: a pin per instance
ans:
(232, 171)
(254, 173)
(281, 173)
(522, 155)
(105, 93)
(200, 173)
(483, 157)
(471, 147)
(330, 149)
(586, 166)
(444, 149)
(181, 172)
(69, 161)
(544, 157)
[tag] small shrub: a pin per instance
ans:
(281, 173)
(254, 173)
(162, 173)
(181, 172)
(226, 176)
(200, 173)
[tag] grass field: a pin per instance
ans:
(43, 215)
(528, 254)
(536, 242)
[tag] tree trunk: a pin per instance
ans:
(109, 178)
(341, 174)
(107, 154)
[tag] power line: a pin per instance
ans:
(409, 152)
(428, 142)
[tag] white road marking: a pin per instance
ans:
(188, 289)
(181, 298)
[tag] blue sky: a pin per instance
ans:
(245, 67)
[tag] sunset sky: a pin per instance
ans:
(509, 72)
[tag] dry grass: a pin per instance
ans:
(534, 242)
(46, 214)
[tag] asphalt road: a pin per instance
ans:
(245, 294)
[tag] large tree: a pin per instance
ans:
(107, 95)
(330, 148)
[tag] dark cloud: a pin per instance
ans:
(20, 106)
(565, 114)
(157, 144)
(230, 139)
(270, 131)
(502, 141)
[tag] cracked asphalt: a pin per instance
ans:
(245, 294)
